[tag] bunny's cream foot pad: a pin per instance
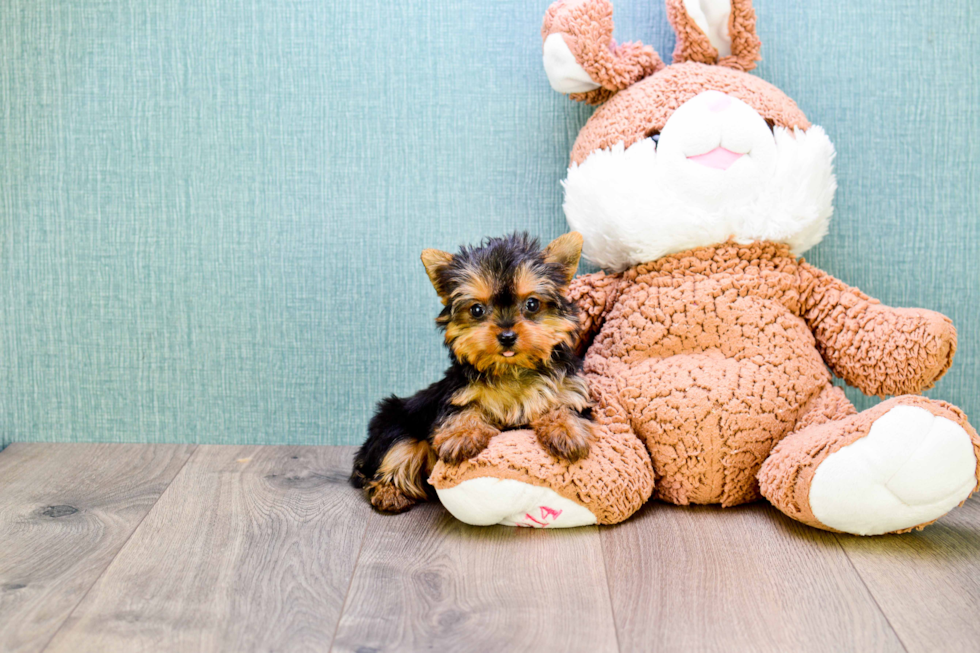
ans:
(911, 469)
(487, 501)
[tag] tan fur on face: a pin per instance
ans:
(537, 339)
(472, 340)
(476, 343)
(401, 476)
(522, 396)
(475, 288)
(527, 284)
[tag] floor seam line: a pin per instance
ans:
(870, 593)
(605, 571)
(129, 537)
(350, 583)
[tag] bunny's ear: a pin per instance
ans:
(582, 59)
(715, 32)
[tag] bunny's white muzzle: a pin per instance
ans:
(717, 172)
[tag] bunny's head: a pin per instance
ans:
(686, 155)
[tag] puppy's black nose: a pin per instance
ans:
(507, 338)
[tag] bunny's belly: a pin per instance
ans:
(709, 421)
(710, 393)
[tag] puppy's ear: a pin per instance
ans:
(435, 261)
(565, 251)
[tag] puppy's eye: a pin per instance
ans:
(655, 137)
(532, 305)
(478, 311)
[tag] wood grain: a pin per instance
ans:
(108, 548)
(428, 582)
(746, 578)
(928, 582)
(65, 511)
(250, 549)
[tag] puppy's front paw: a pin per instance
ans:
(565, 436)
(455, 447)
(462, 438)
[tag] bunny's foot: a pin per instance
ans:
(516, 482)
(895, 467)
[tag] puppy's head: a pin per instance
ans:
(504, 300)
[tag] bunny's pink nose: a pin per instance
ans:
(718, 101)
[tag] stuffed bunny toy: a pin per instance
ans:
(710, 346)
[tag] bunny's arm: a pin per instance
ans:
(876, 348)
(594, 294)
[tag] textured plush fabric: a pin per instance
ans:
(614, 66)
(693, 45)
(211, 212)
(635, 205)
(714, 360)
(877, 349)
(714, 351)
(643, 108)
(786, 476)
(613, 481)
(713, 356)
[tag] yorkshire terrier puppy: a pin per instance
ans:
(510, 333)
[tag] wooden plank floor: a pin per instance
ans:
(65, 512)
(224, 548)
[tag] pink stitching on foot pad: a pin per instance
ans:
(548, 515)
(547, 512)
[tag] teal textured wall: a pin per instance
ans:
(211, 210)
